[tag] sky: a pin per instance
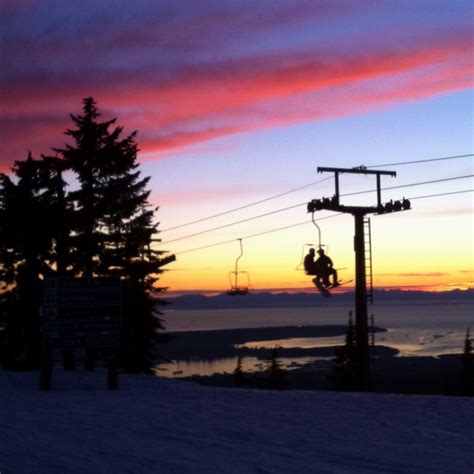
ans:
(236, 102)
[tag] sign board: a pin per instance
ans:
(81, 313)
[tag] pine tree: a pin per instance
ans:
(114, 227)
(88, 159)
(468, 365)
(345, 363)
(104, 228)
(27, 234)
(10, 337)
(58, 213)
(239, 378)
(277, 375)
(8, 250)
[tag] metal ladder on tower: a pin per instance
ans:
(369, 282)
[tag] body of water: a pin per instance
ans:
(413, 329)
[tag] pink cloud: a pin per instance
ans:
(328, 101)
(184, 138)
(199, 101)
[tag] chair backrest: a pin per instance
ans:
(235, 287)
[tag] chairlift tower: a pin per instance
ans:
(362, 294)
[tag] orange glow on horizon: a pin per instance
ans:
(406, 256)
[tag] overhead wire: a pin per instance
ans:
(248, 219)
(258, 234)
(442, 194)
(220, 214)
(306, 222)
(454, 157)
(223, 213)
(399, 186)
(233, 223)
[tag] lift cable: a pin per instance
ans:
(246, 205)
(212, 229)
(304, 187)
(412, 184)
(233, 223)
(255, 235)
(306, 222)
(442, 194)
(454, 157)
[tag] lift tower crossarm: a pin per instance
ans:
(358, 170)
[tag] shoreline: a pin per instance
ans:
(392, 374)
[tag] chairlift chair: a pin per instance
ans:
(237, 289)
(304, 251)
(306, 247)
(317, 281)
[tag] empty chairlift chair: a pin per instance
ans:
(236, 277)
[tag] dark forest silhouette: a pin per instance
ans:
(104, 227)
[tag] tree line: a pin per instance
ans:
(100, 224)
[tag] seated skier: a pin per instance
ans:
(323, 268)
(309, 266)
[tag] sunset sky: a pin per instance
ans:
(238, 101)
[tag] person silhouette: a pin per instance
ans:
(309, 266)
(323, 268)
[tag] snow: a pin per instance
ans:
(169, 426)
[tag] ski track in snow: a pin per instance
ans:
(170, 426)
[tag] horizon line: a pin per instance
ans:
(309, 290)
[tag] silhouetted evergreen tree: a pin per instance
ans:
(239, 378)
(87, 157)
(58, 214)
(114, 227)
(10, 337)
(27, 245)
(103, 228)
(345, 363)
(468, 365)
(277, 376)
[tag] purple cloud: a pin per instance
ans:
(184, 73)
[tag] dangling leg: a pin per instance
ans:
(315, 279)
(324, 278)
(320, 285)
(334, 276)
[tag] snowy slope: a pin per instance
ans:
(168, 426)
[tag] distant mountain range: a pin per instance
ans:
(292, 300)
